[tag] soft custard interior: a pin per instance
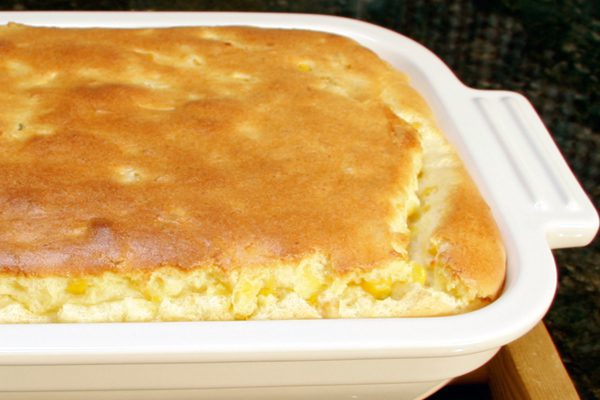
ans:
(414, 284)
(304, 290)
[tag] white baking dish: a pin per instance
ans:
(537, 202)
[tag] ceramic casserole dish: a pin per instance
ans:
(537, 202)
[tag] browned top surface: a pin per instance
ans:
(236, 146)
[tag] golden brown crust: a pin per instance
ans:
(189, 147)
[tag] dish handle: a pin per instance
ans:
(553, 194)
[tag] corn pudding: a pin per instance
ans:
(220, 173)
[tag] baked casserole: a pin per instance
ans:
(221, 173)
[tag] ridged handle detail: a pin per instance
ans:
(553, 193)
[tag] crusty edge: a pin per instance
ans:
(472, 248)
(465, 239)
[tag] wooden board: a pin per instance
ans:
(528, 369)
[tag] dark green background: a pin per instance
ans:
(549, 50)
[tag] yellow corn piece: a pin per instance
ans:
(378, 288)
(428, 190)
(245, 297)
(153, 297)
(304, 67)
(266, 291)
(77, 286)
(433, 250)
(419, 275)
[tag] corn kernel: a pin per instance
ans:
(441, 279)
(428, 190)
(304, 67)
(313, 300)
(221, 290)
(414, 216)
(418, 274)
(245, 296)
(433, 250)
(266, 291)
(148, 295)
(379, 288)
(77, 286)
